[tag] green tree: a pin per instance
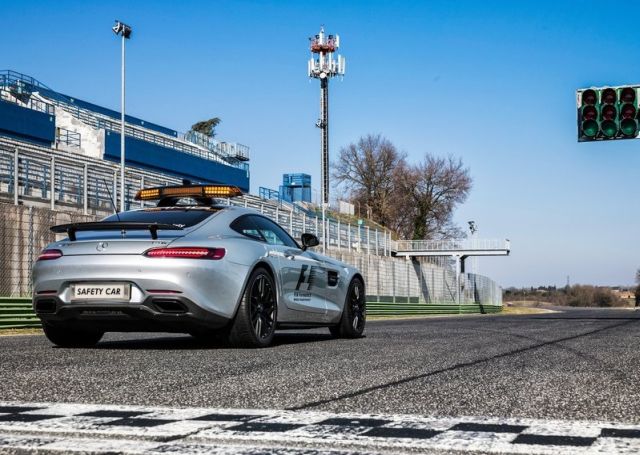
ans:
(207, 127)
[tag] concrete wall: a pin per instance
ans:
(92, 139)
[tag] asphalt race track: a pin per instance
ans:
(580, 365)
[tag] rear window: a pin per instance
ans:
(178, 217)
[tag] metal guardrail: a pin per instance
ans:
(31, 103)
(17, 313)
(82, 184)
(10, 77)
(68, 138)
(85, 184)
(230, 150)
(400, 309)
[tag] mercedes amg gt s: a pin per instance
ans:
(194, 266)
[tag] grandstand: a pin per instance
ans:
(86, 186)
(59, 162)
(32, 112)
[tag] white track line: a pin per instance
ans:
(59, 428)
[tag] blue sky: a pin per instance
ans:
(492, 82)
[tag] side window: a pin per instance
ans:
(245, 225)
(273, 233)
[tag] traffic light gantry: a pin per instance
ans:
(608, 113)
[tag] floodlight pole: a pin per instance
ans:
(122, 103)
(125, 31)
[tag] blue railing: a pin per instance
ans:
(29, 103)
(10, 77)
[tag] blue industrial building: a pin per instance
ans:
(32, 112)
(296, 188)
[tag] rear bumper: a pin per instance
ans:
(209, 290)
(158, 313)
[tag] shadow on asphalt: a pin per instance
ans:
(457, 366)
(186, 342)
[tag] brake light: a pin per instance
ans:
(46, 255)
(186, 253)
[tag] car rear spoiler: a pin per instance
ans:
(153, 228)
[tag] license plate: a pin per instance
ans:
(101, 291)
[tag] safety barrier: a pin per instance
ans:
(18, 313)
(400, 309)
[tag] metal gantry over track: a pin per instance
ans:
(459, 250)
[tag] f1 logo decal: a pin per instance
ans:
(306, 278)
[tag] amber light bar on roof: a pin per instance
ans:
(151, 194)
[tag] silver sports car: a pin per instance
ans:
(191, 265)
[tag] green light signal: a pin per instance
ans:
(628, 112)
(589, 112)
(608, 113)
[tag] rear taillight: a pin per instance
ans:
(186, 253)
(49, 254)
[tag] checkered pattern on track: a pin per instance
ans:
(152, 430)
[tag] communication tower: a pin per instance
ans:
(324, 65)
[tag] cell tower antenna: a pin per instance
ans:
(324, 65)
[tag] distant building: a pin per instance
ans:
(296, 188)
(32, 113)
(624, 293)
(346, 207)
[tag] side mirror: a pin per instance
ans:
(309, 241)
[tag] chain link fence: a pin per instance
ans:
(24, 232)
(424, 280)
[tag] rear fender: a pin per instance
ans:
(267, 263)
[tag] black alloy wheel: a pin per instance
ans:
(255, 321)
(354, 314)
(263, 307)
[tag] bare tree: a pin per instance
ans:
(427, 195)
(366, 171)
(206, 127)
(416, 201)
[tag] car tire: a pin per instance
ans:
(354, 313)
(71, 338)
(255, 322)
